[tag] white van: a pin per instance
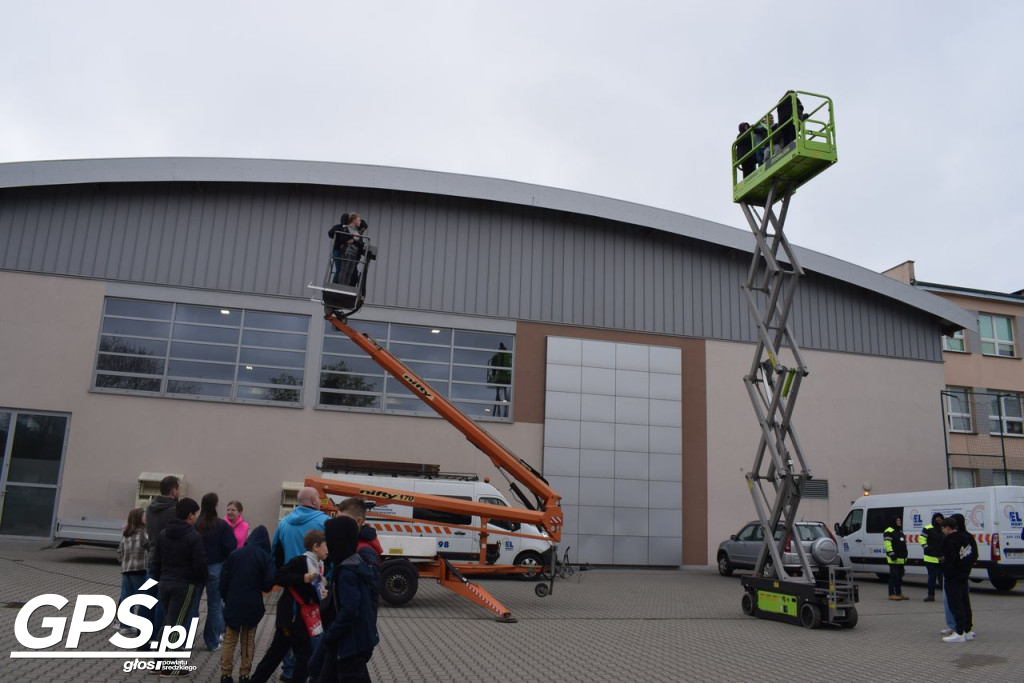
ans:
(993, 514)
(455, 544)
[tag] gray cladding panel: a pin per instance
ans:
(441, 253)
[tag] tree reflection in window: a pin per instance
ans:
(344, 382)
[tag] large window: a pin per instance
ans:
(473, 370)
(955, 343)
(958, 409)
(203, 352)
(996, 335)
(1005, 416)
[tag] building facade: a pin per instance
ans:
(157, 319)
(981, 403)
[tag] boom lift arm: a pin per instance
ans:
(341, 301)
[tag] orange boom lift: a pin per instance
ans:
(341, 301)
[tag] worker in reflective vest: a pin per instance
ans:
(896, 552)
(932, 539)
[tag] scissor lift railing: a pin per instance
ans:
(777, 371)
(785, 164)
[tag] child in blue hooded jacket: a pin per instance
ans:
(247, 574)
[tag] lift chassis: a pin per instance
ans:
(776, 373)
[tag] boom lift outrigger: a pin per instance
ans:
(768, 165)
(341, 301)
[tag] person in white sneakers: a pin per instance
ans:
(960, 553)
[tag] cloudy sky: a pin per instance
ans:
(634, 100)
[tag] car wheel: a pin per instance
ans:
(851, 618)
(810, 615)
(1002, 582)
(398, 582)
(725, 567)
(748, 604)
(530, 558)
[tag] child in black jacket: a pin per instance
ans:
(179, 564)
(248, 573)
(960, 552)
(289, 628)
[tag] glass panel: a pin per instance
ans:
(351, 382)
(481, 375)
(404, 352)
(485, 410)
(139, 347)
(424, 335)
(141, 328)
(1011, 407)
(279, 340)
(267, 394)
(136, 364)
(177, 386)
(430, 371)
(409, 405)
(470, 357)
(139, 309)
(349, 400)
(211, 316)
(181, 368)
(398, 389)
(28, 511)
(191, 351)
(480, 392)
(1002, 329)
(5, 428)
(253, 373)
(988, 348)
(378, 331)
(482, 340)
(202, 333)
(339, 343)
(277, 321)
(362, 366)
(127, 383)
(985, 326)
(37, 449)
(287, 359)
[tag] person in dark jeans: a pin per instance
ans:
(896, 555)
(960, 552)
(932, 539)
(179, 564)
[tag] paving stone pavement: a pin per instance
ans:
(602, 625)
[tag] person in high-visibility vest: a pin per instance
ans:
(932, 539)
(896, 553)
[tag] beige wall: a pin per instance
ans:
(48, 340)
(857, 417)
(987, 372)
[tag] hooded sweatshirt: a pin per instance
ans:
(159, 511)
(241, 529)
(291, 530)
(355, 583)
(247, 574)
(179, 557)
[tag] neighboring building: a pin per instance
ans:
(982, 400)
(155, 318)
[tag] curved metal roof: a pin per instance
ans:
(197, 169)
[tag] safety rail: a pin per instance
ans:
(790, 151)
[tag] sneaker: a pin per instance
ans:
(214, 648)
(954, 638)
(969, 635)
(903, 597)
(930, 598)
(895, 597)
(946, 631)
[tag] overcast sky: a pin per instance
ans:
(634, 100)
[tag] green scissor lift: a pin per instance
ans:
(769, 162)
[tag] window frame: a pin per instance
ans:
(423, 356)
(200, 319)
(947, 395)
(1004, 419)
(958, 336)
(994, 341)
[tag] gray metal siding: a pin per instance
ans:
(439, 253)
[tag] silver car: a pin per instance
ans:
(742, 549)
